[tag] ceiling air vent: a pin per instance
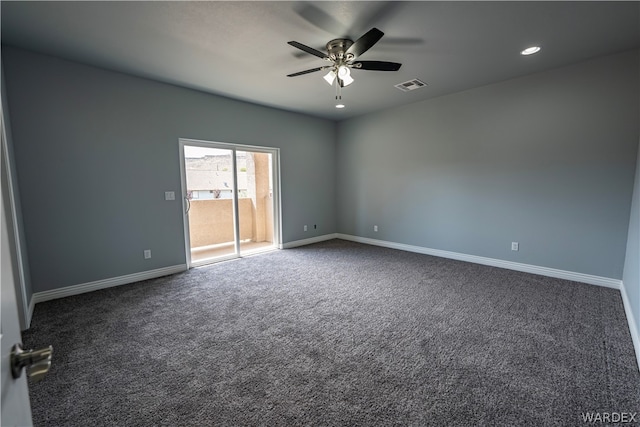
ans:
(411, 85)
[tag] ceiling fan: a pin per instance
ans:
(342, 54)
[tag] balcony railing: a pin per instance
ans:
(211, 221)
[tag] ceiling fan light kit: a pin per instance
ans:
(342, 54)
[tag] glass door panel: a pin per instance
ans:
(255, 200)
(210, 199)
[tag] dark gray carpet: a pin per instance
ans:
(333, 334)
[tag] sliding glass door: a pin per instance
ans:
(231, 200)
(255, 200)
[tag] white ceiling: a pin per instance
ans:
(239, 49)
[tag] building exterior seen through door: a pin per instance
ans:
(231, 200)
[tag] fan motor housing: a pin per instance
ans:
(337, 49)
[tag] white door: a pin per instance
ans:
(15, 407)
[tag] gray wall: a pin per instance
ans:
(95, 151)
(631, 276)
(547, 160)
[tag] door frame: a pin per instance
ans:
(24, 307)
(275, 179)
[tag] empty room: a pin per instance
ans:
(320, 213)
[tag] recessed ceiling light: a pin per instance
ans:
(530, 50)
(339, 105)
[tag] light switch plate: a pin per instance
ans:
(169, 195)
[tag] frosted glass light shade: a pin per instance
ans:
(344, 74)
(330, 77)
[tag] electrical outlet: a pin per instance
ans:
(305, 228)
(169, 195)
(147, 253)
(515, 246)
(375, 228)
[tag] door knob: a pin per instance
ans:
(37, 362)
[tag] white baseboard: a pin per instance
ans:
(633, 327)
(527, 268)
(308, 241)
(102, 284)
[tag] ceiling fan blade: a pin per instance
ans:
(365, 42)
(310, 50)
(312, 70)
(376, 65)
(300, 54)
